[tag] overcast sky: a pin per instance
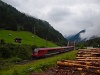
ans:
(66, 16)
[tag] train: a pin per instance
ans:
(44, 52)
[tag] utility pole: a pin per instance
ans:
(74, 44)
(35, 23)
(46, 42)
(34, 31)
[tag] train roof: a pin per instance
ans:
(37, 49)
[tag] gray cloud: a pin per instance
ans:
(13, 3)
(58, 14)
(66, 16)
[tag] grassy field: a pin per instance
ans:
(38, 65)
(26, 38)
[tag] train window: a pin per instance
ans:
(52, 51)
(41, 51)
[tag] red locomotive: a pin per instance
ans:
(44, 52)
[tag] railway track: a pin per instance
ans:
(35, 59)
(87, 62)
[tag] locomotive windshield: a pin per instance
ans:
(36, 50)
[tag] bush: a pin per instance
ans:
(23, 51)
(2, 41)
(14, 50)
(33, 47)
(16, 59)
(5, 64)
(5, 52)
(82, 47)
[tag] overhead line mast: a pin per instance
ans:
(74, 44)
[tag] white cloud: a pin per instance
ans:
(66, 16)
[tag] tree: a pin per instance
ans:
(2, 41)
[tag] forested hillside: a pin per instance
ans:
(94, 42)
(12, 19)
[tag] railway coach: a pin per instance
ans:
(44, 52)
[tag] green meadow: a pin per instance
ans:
(27, 38)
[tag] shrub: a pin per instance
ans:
(82, 47)
(14, 50)
(2, 41)
(16, 59)
(23, 51)
(33, 47)
(5, 52)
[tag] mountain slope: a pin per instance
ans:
(75, 37)
(12, 19)
(27, 38)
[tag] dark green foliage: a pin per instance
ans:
(14, 53)
(18, 51)
(91, 42)
(33, 47)
(12, 19)
(15, 60)
(81, 45)
(2, 41)
(15, 72)
(5, 64)
(23, 51)
(94, 42)
(5, 52)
